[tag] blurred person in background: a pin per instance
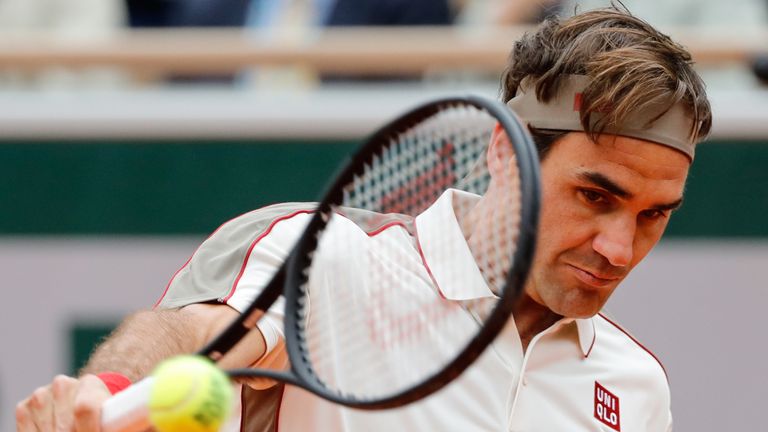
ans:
(466, 13)
(67, 20)
(66, 17)
(665, 14)
(386, 13)
(398, 13)
(736, 20)
(187, 13)
(497, 13)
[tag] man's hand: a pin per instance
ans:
(133, 350)
(67, 404)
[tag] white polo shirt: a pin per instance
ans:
(578, 375)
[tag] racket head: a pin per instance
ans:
(371, 385)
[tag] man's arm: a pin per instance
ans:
(138, 344)
(147, 337)
(144, 339)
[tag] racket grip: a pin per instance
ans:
(128, 410)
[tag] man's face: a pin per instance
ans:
(605, 205)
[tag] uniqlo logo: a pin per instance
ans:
(607, 407)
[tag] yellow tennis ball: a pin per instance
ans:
(189, 393)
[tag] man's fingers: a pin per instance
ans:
(67, 404)
(36, 412)
(41, 406)
(24, 421)
(63, 389)
(87, 404)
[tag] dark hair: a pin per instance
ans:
(631, 67)
(544, 139)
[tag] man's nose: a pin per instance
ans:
(615, 240)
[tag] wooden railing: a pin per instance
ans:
(348, 50)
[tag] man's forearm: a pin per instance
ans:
(142, 341)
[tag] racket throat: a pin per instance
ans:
(247, 320)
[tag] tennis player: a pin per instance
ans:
(616, 111)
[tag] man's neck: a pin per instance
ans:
(531, 319)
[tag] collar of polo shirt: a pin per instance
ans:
(438, 230)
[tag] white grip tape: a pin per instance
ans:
(128, 410)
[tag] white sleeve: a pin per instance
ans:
(264, 260)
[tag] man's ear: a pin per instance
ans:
(499, 151)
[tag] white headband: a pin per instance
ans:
(672, 129)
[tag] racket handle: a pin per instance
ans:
(128, 410)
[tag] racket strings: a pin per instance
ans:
(374, 319)
(388, 337)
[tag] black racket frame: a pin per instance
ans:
(291, 276)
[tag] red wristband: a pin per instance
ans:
(114, 381)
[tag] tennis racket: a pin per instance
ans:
(374, 318)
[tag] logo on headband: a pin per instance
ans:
(577, 101)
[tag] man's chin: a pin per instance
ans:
(579, 310)
(581, 315)
(573, 302)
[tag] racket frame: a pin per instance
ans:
(300, 372)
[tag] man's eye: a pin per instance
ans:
(652, 214)
(592, 196)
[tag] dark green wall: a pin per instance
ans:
(83, 338)
(175, 187)
(727, 192)
(153, 188)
